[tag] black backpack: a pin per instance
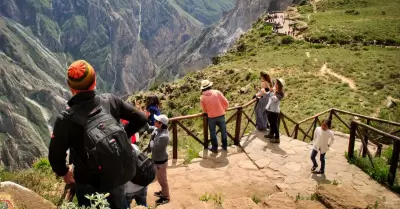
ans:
(107, 147)
(145, 172)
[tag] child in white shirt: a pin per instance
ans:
(323, 139)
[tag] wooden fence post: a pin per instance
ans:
(364, 152)
(296, 131)
(205, 130)
(174, 140)
(352, 140)
(393, 164)
(238, 125)
(315, 126)
(330, 115)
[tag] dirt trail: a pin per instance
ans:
(325, 69)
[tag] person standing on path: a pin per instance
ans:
(261, 113)
(69, 133)
(214, 104)
(273, 110)
(158, 145)
(323, 139)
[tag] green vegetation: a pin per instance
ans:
(206, 11)
(256, 199)
(97, 201)
(216, 198)
(379, 172)
(309, 90)
(40, 179)
(74, 23)
(49, 26)
(356, 21)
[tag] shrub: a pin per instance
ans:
(42, 165)
(215, 60)
(287, 40)
(97, 201)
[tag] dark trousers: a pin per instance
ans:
(140, 198)
(321, 157)
(273, 122)
(116, 199)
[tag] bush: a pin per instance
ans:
(97, 201)
(42, 165)
(287, 40)
(215, 60)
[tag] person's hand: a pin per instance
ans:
(69, 176)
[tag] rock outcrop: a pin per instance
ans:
(18, 196)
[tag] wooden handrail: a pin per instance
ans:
(178, 118)
(310, 118)
(367, 117)
(377, 130)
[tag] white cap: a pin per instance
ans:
(162, 118)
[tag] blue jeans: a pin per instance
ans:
(140, 198)
(212, 125)
(321, 157)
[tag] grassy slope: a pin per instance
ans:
(372, 68)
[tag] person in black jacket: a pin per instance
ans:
(69, 135)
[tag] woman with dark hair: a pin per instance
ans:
(153, 108)
(321, 143)
(261, 113)
(273, 110)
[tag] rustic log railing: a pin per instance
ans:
(236, 117)
(357, 126)
(362, 131)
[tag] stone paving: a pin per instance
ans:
(288, 165)
(229, 174)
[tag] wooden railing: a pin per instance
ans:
(358, 127)
(237, 117)
(299, 131)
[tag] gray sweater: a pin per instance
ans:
(158, 144)
(274, 102)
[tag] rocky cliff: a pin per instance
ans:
(31, 94)
(214, 40)
(125, 40)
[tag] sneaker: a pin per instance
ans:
(225, 148)
(213, 150)
(162, 201)
(275, 141)
(320, 172)
(269, 136)
(313, 168)
(157, 194)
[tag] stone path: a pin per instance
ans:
(288, 165)
(232, 175)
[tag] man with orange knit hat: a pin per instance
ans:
(88, 127)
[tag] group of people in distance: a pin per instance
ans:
(68, 134)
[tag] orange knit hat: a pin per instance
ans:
(81, 76)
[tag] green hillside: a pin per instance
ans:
(313, 71)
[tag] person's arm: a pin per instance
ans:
(203, 105)
(224, 101)
(159, 145)
(277, 97)
(150, 129)
(59, 145)
(136, 118)
(315, 136)
(332, 139)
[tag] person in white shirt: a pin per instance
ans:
(323, 139)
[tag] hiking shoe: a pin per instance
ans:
(275, 141)
(157, 194)
(319, 172)
(162, 201)
(313, 168)
(269, 136)
(213, 150)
